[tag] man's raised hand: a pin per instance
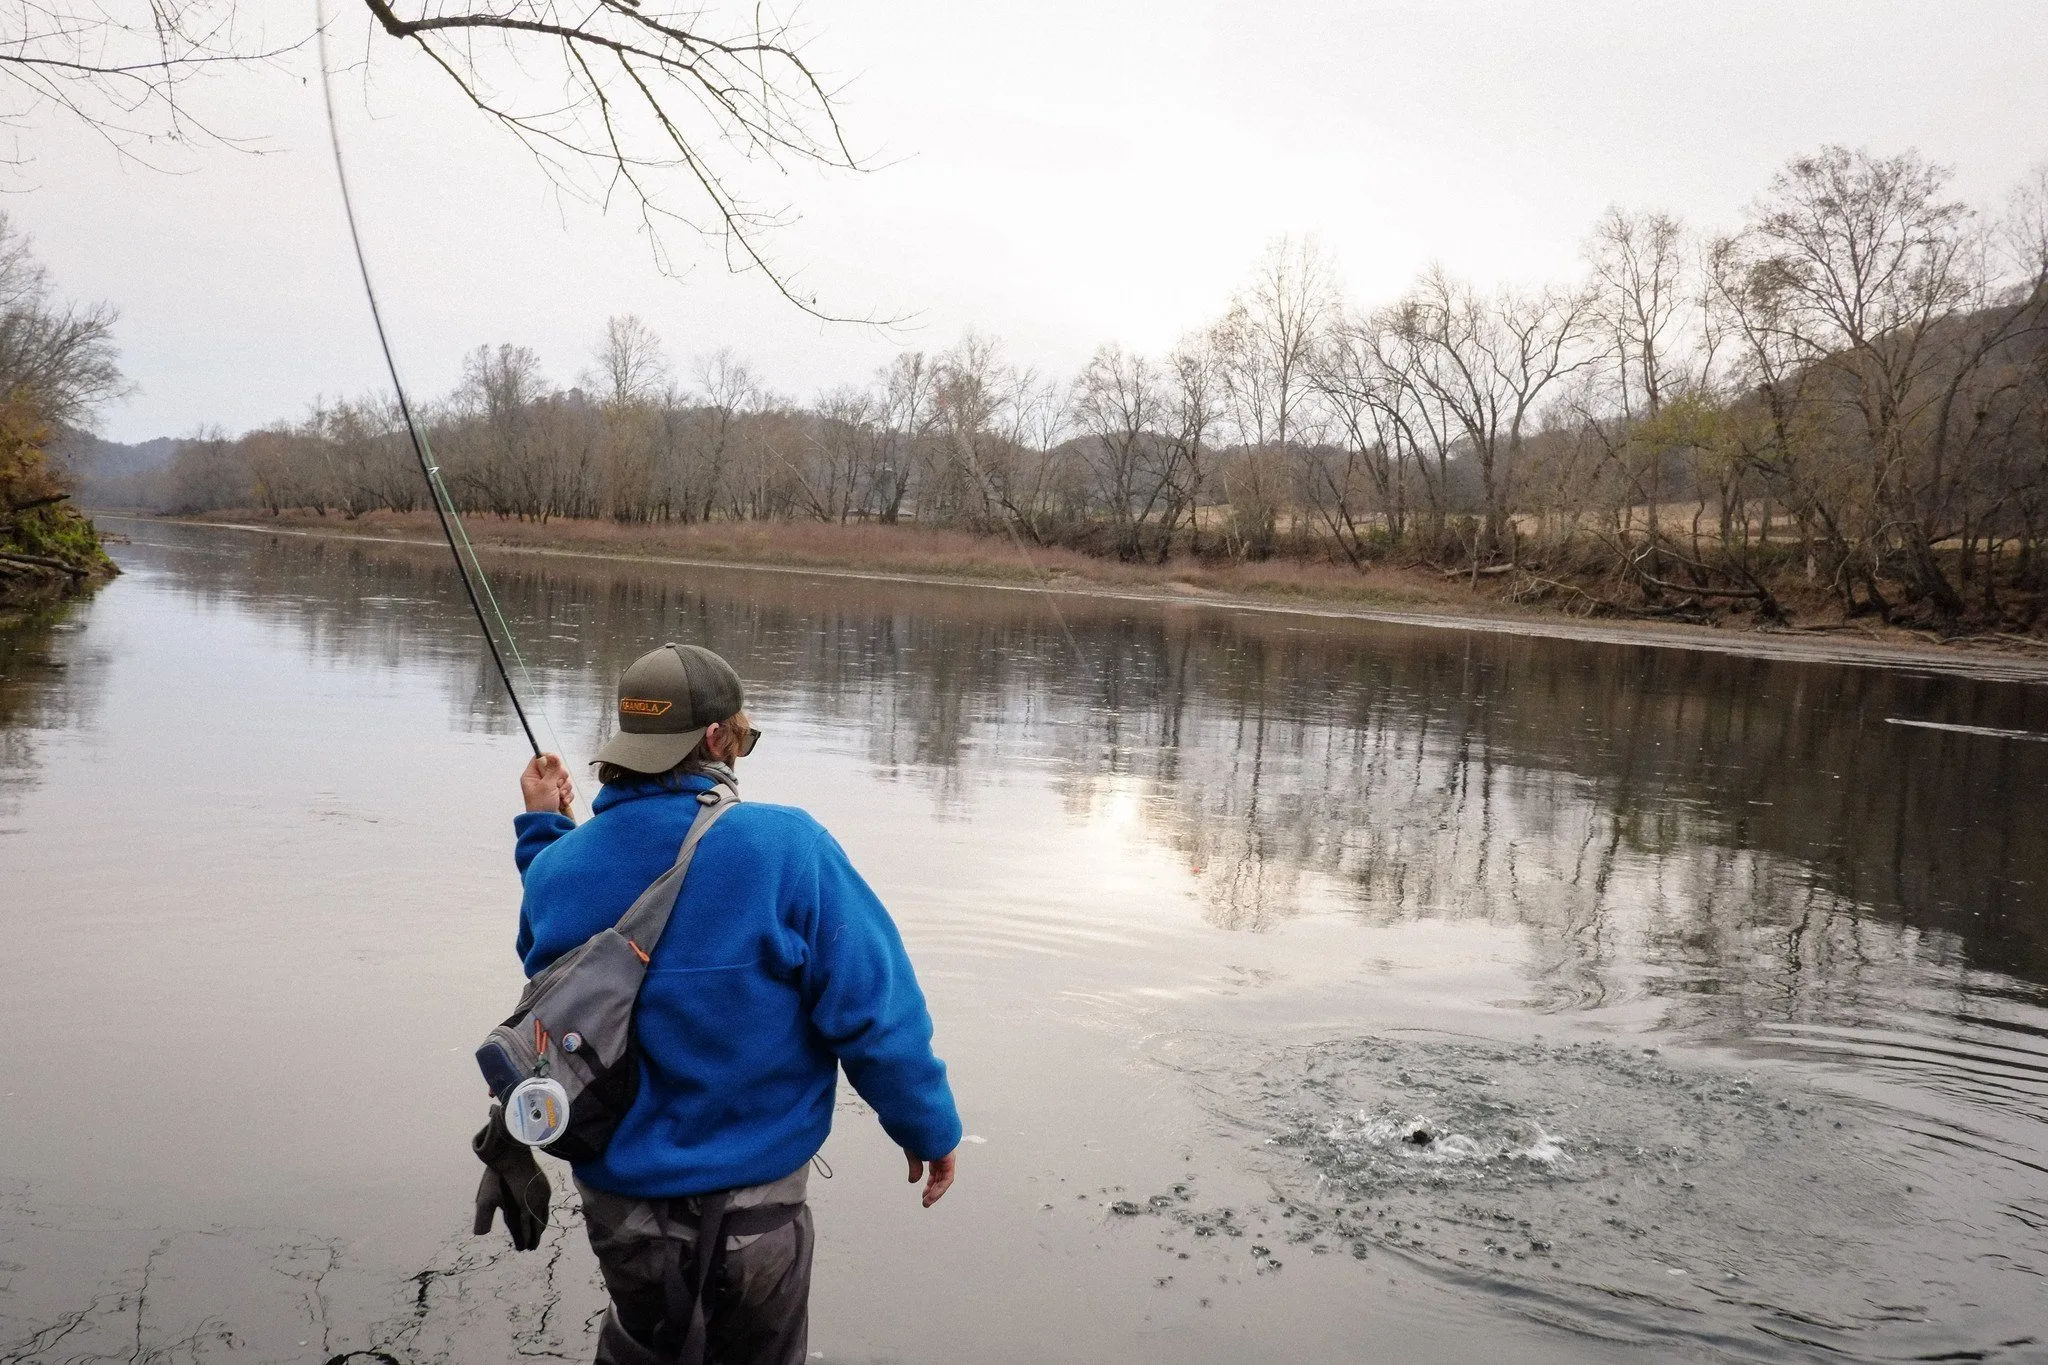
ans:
(546, 786)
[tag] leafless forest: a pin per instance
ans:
(1845, 398)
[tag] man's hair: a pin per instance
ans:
(611, 774)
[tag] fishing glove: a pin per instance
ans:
(512, 1185)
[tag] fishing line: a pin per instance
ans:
(437, 492)
(1988, 731)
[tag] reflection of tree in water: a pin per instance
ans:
(48, 681)
(1651, 836)
(1736, 835)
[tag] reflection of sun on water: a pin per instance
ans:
(1116, 852)
(1116, 804)
(1144, 829)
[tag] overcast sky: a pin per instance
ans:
(1062, 173)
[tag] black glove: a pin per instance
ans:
(512, 1184)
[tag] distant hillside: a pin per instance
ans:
(93, 459)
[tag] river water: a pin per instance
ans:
(1315, 990)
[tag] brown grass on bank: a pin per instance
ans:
(903, 549)
(945, 554)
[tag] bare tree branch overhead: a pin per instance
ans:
(673, 109)
(122, 68)
(616, 97)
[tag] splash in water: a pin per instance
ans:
(1626, 1193)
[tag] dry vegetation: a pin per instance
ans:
(878, 548)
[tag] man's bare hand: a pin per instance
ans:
(546, 786)
(941, 1177)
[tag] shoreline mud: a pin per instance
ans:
(1051, 574)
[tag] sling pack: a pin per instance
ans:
(574, 1023)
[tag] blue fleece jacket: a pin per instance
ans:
(778, 966)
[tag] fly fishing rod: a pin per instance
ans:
(428, 470)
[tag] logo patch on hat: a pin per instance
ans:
(640, 706)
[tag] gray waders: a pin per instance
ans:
(701, 1281)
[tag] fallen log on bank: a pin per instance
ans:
(43, 562)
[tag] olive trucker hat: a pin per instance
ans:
(666, 700)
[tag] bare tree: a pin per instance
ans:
(1050, 483)
(727, 392)
(1489, 363)
(1118, 406)
(676, 110)
(909, 396)
(57, 367)
(842, 448)
(1271, 334)
(1364, 477)
(970, 471)
(357, 452)
(1643, 297)
(57, 359)
(1655, 351)
(1269, 340)
(1194, 410)
(1410, 421)
(1864, 295)
(631, 367)
(491, 451)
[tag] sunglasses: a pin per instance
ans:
(748, 737)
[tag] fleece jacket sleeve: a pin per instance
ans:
(536, 829)
(866, 1003)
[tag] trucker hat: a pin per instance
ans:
(666, 699)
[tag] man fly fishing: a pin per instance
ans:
(778, 966)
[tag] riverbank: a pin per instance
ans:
(48, 550)
(1412, 595)
(47, 560)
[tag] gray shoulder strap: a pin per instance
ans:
(642, 925)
